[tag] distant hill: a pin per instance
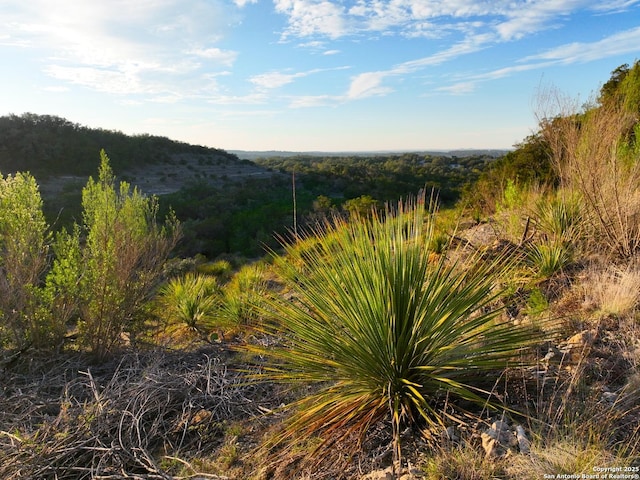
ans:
(49, 145)
(61, 155)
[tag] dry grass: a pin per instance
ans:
(613, 290)
(130, 419)
(594, 158)
(561, 457)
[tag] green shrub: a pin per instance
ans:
(511, 197)
(560, 219)
(537, 303)
(122, 254)
(219, 268)
(24, 243)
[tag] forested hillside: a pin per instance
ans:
(226, 205)
(244, 216)
(50, 145)
(383, 177)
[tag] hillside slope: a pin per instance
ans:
(61, 154)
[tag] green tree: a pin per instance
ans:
(322, 205)
(122, 255)
(610, 90)
(362, 205)
(24, 243)
(529, 164)
(623, 88)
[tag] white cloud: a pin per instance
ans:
(620, 43)
(274, 79)
(532, 17)
(460, 88)
(465, 47)
(221, 57)
(122, 47)
(368, 84)
(312, 17)
(315, 44)
(278, 79)
(308, 101)
(331, 52)
(425, 18)
(614, 6)
(254, 98)
(507, 19)
(102, 80)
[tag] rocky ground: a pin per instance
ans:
(169, 177)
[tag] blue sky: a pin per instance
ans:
(304, 75)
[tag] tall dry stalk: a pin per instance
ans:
(595, 156)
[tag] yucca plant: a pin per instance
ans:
(383, 332)
(549, 257)
(243, 294)
(560, 219)
(191, 301)
(560, 223)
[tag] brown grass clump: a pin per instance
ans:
(613, 290)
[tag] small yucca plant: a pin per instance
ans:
(191, 301)
(549, 257)
(242, 295)
(560, 219)
(382, 331)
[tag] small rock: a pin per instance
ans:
(523, 442)
(547, 358)
(387, 474)
(554, 356)
(450, 434)
(497, 440)
(500, 426)
(580, 340)
(505, 435)
(578, 344)
(489, 445)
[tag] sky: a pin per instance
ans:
(312, 75)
